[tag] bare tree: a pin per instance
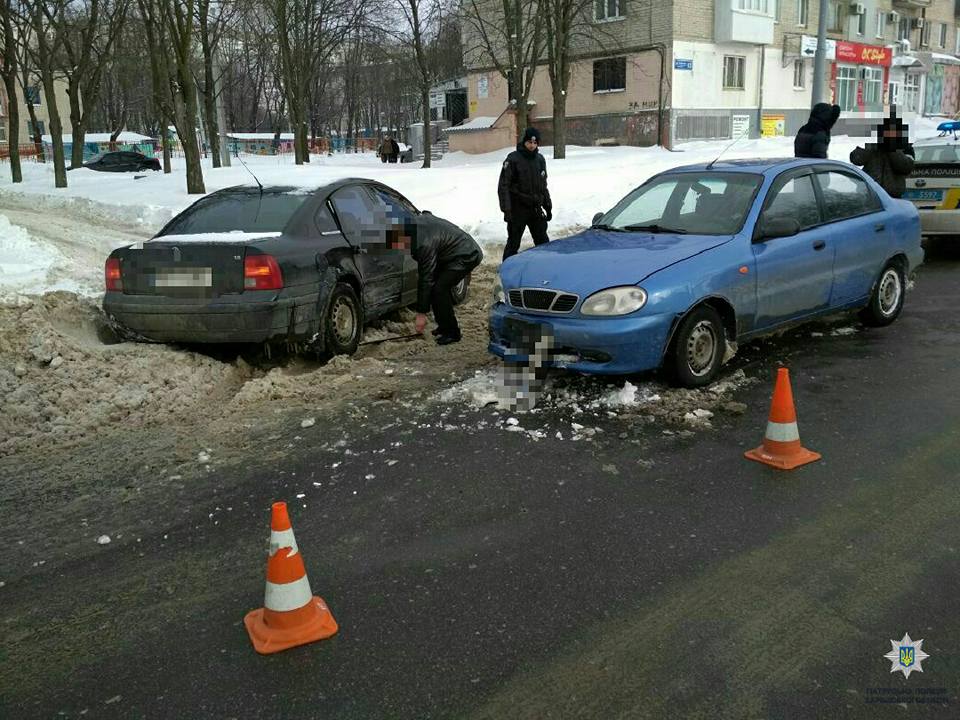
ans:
(507, 34)
(420, 16)
(309, 33)
(87, 31)
(213, 20)
(9, 69)
(45, 53)
(170, 29)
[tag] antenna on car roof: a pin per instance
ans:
(250, 171)
(722, 152)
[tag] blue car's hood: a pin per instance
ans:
(597, 259)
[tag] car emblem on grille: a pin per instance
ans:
(176, 254)
(921, 183)
(546, 282)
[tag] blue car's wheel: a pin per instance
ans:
(697, 349)
(886, 302)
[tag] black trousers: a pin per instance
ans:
(441, 299)
(520, 221)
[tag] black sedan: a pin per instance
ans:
(122, 161)
(269, 265)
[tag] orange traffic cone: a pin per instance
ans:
(781, 444)
(291, 615)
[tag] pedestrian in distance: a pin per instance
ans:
(889, 160)
(389, 150)
(445, 255)
(813, 138)
(524, 197)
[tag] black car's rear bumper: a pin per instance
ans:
(250, 317)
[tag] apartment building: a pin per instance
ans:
(38, 99)
(685, 70)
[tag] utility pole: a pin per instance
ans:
(820, 59)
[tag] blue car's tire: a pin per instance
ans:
(697, 350)
(886, 300)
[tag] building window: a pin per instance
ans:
(803, 12)
(835, 17)
(943, 35)
(881, 23)
(734, 70)
(757, 6)
(925, 34)
(911, 92)
(799, 75)
(873, 86)
(610, 75)
(847, 87)
(895, 94)
(956, 43)
(609, 9)
(34, 130)
(903, 29)
(862, 24)
(3, 134)
(32, 95)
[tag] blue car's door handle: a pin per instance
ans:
(819, 245)
(879, 227)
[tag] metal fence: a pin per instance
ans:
(28, 153)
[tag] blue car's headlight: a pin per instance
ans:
(615, 301)
(498, 295)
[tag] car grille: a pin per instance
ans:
(544, 300)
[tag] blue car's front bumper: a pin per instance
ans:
(614, 346)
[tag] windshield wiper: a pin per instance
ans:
(655, 229)
(611, 228)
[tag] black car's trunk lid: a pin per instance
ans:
(186, 266)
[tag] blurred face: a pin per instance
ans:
(531, 144)
(400, 242)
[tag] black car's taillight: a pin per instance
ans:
(112, 274)
(261, 272)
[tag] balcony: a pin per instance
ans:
(743, 21)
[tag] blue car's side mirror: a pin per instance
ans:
(596, 218)
(777, 227)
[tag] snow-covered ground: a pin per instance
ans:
(44, 246)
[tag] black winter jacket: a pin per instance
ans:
(523, 183)
(813, 138)
(888, 165)
(440, 245)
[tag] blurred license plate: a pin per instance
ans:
(936, 195)
(523, 335)
(183, 277)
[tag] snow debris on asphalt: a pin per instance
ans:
(203, 457)
(309, 422)
(841, 331)
(103, 540)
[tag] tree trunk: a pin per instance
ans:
(56, 129)
(165, 142)
(37, 137)
(427, 135)
(13, 132)
(559, 125)
(77, 123)
(210, 108)
(186, 129)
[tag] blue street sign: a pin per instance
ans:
(679, 64)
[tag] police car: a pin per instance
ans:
(934, 184)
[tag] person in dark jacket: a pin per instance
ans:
(813, 139)
(889, 160)
(524, 197)
(445, 255)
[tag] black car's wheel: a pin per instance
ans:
(461, 291)
(697, 350)
(343, 322)
(886, 302)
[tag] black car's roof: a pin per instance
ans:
(330, 186)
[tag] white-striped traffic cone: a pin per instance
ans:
(781, 443)
(291, 614)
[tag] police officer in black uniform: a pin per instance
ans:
(524, 198)
(445, 255)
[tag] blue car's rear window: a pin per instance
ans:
(244, 210)
(707, 203)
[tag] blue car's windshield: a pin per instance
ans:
(707, 203)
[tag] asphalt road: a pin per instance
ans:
(484, 575)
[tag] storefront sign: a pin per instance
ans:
(808, 47)
(857, 54)
(741, 126)
(773, 126)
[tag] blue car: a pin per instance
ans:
(704, 255)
